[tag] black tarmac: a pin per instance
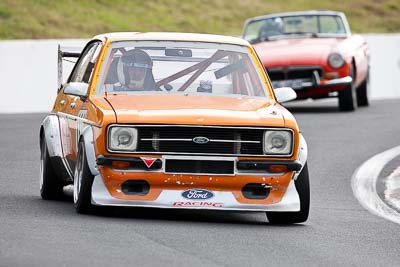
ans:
(339, 232)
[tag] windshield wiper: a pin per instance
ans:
(312, 34)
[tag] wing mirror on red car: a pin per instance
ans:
(285, 94)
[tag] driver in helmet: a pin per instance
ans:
(271, 27)
(135, 72)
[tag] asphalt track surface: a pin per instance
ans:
(339, 232)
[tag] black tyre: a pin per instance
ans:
(348, 96)
(51, 187)
(83, 181)
(362, 93)
(303, 188)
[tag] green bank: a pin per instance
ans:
(23, 19)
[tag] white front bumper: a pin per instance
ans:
(173, 199)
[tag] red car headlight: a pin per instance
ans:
(335, 60)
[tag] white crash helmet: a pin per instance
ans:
(135, 58)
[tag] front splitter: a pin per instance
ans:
(172, 199)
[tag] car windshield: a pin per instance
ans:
(294, 26)
(166, 67)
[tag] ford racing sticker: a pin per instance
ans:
(197, 194)
(197, 204)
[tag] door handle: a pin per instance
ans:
(62, 102)
(72, 105)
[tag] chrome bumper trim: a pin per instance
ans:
(318, 83)
(340, 81)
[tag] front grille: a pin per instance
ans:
(199, 166)
(276, 75)
(179, 140)
(298, 72)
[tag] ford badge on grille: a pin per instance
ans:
(201, 140)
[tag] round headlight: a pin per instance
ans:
(122, 138)
(335, 60)
(278, 142)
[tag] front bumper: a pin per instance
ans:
(318, 88)
(156, 186)
(301, 84)
(173, 199)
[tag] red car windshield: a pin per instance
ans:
(294, 26)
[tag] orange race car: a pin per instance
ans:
(174, 120)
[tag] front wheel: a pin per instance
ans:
(303, 188)
(83, 181)
(51, 187)
(362, 93)
(348, 96)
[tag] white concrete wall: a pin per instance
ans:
(385, 65)
(28, 71)
(28, 74)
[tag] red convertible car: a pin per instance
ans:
(313, 52)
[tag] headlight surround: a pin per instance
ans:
(278, 142)
(122, 138)
(336, 60)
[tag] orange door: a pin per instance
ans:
(74, 106)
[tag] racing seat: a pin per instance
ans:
(112, 76)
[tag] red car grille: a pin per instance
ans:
(294, 72)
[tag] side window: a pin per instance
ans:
(252, 30)
(331, 24)
(84, 68)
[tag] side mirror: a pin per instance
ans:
(76, 88)
(285, 94)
